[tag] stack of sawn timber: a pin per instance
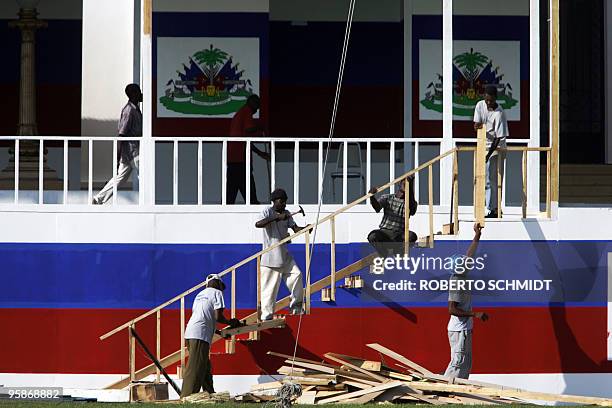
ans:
(352, 380)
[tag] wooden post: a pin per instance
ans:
(255, 335)
(479, 176)
(554, 103)
(456, 193)
(332, 282)
(548, 212)
(308, 289)
(524, 204)
(132, 354)
(406, 216)
(431, 224)
(499, 185)
(233, 311)
(158, 344)
(182, 366)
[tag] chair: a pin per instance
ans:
(354, 167)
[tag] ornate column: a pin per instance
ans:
(28, 24)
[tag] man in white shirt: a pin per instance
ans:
(490, 114)
(278, 264)
(207, 311)
(460, 323)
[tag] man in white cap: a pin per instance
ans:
(460, 323)
(207, 311)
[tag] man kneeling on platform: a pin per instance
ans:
(206, 313)
(386, 240)
(278, 264)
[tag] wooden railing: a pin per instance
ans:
(334, 275)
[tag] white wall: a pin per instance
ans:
(107, 67)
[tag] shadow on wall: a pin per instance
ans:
(571, 354)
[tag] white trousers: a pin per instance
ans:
(270, 282)
(461, 354)
(123, 172)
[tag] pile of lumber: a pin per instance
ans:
(395, 379)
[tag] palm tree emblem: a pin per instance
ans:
(212, 60)
(470, 65)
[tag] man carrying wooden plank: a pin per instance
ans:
(460, 323)
(278, 264)
(388, 237)
(207, 311)
(490, 114)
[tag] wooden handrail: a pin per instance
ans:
(270, 248)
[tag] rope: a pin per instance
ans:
(347, 35)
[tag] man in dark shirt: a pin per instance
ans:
(130, 125)
(242, 125)
(391, 228)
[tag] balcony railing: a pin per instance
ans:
(191, 174)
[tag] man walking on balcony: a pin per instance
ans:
(490, 114)
(278, 264)
(207, 311)
(461, 322)
(130, 125)
(243, 125)
(387, 238)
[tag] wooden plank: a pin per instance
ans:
(496, 392)
(335, 358)
(307, 398)
(548, 206)
(266, 386)
(325, 394)
(308, 288)
(382, 387)
(333, 259)
(364, 399)
(158, 343)
(479, 177)
(268, 324)
(356, 384)
(400, 358)
(299, 372)
(306, 380)
(456, 193)
(132, 355)
(148, 15)
(371, 365)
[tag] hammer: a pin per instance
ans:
(300, 211)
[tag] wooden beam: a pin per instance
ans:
(479, 176)
(158, 344)
(333, 259)
(148, 15)
(132, 355)
(524, 174)
(455, 193)
(182, 366)
(308, 288)
(554, 100)
(548, 196)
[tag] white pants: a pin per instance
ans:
(270, 282)
(123, 172)
(461, 354)
(491, 179)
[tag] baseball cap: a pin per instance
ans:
(212, 277)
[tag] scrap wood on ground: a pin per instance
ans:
(353, 380)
